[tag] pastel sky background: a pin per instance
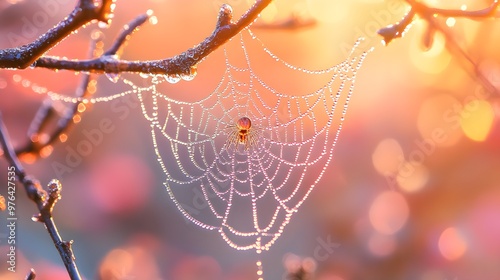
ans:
(412, 193)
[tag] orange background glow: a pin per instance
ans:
(413, 191)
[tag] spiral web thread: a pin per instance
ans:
(248, 195)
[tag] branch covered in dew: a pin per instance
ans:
(182, 64)
(84, 12)
(394, 31)
(45, 202)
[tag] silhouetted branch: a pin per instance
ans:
(429, 14)
(45, 203)
(394, 31)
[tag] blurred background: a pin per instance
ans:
(413, 191)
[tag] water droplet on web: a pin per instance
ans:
(33, 65)
(144, 75)
(173, 78)
(113, 77)
(102, 25)
(156, 79)
(187, 77)
(192, 74)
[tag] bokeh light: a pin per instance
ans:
(388, 157)
(452, 244)
(389, 212)
(432, 61)
(411, 193)
(412, 176)
(477, 119)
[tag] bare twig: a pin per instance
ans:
(178, 65)
(46, 111)
(423, 9)
(394, 31)
(45, 203)
(429, 14)
(37, 138)
(126, 32)
(31, 275)
(84, 12)
(397, 30)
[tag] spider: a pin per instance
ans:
(242, 133)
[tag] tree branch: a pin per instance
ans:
(182, 64)
(38, 139)
(429, 15)
(31, 275)
(84, 12)
(45, 203)
(394, 31)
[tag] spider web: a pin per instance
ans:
(248, 195)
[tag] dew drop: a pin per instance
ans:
(144, 75)
(192, 74)
(175, 78)
(190, 53)
(113, 77)
(153, 20)
(102, 25)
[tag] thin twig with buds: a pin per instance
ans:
(45, 203)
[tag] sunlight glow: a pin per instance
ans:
(269, 14)
(438, 122)
(433, 61)
(329, 11)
